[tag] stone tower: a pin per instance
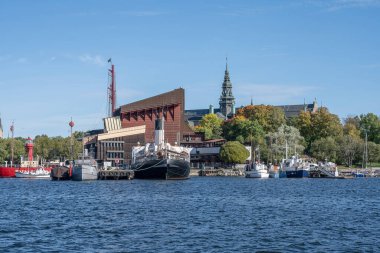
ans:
(227, 100)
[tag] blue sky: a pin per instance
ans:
(53, 56)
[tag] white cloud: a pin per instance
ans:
(96, 59)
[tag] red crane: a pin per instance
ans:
(111, 90)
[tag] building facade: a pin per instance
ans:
(113, 144)
(169, 106)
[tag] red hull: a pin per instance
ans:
(7, 172)
(11, 171)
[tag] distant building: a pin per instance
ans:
(113, 144)
(294, 110)
(169, 106)
(226, 104)
(134, 122)
(227, 100)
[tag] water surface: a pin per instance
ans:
(202, 214)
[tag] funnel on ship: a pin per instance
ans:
(159, 136)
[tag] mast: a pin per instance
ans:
(12, 142)
(286, 149)
(111, 90)
(365, 160)
(71, 124)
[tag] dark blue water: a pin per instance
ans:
(202, 214)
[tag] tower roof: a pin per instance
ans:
(227, 99)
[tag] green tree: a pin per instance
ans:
(18, 150)
(285, 136)
(325, 148)
(371, 123)
(243, 130)
(42, 146)
(211, 126)
(349, 149)
(373, 153)
(233, 152)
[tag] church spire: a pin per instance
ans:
(227, 100)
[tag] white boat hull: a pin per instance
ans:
(256, 174)
(28, 175)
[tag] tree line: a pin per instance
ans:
(45, 148)
(321, 134)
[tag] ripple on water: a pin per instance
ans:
(198, 215)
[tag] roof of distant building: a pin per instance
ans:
(294, 110)
(168, 98)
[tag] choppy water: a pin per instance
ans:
(202, 214)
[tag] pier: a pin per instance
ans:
(221, 172)
(115, 174)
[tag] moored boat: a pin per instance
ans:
(31, 168)
(85, 169)
(257, 170)
(7, 171)
(295, 168)
(60, 173)
(37, 173)
(160, 160)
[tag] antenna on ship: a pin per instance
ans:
(111, 90)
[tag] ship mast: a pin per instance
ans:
(111, 90)
(12, 142)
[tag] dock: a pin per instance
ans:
(116, 174)
(221, 172)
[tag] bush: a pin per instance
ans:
(233, 152)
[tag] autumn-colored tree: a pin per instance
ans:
(211, 126)
(351, 129)
(317, 125)
(269, 117)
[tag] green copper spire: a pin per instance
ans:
(227, 100)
